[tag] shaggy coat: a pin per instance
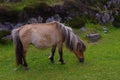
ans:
(46, 35)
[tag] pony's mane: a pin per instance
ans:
(71, 40)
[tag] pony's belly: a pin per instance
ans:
(43, 43)
(44, 39)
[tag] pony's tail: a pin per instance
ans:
(18, 46)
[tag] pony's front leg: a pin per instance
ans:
(51, 57)
(60, 50)
(25, 48)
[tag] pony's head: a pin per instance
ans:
(79, 52)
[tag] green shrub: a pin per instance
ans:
(116, 22)
(77, 22)
(2, 34)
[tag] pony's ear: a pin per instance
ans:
(81, 47)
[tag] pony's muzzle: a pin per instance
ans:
(81, 60)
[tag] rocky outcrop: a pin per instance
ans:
(5, 29)
(93, 37)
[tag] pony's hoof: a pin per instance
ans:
(63, 63)
(51, 60)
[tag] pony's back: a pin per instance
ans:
(41, 35)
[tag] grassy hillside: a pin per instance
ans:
(26, 3)
(102, 61)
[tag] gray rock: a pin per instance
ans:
(18, 25)
(32, 21)
(105, 29)
(8, 37)
(105, 17)
(9, 25)
(40, 19)
(83, 29)
(50, 19)
(56, 17)
(6, 26)
(93, 37)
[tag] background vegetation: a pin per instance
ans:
(103, 11)
(21, 5)
(102, 59)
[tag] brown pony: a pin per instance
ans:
(46, 35)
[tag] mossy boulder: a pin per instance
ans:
(3, 33)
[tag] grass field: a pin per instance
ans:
(102, 62)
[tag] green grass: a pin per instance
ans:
(102, 62)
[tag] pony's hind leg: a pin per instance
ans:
(24, 61)
(25, 47)
(60, 50)
(51, 57)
